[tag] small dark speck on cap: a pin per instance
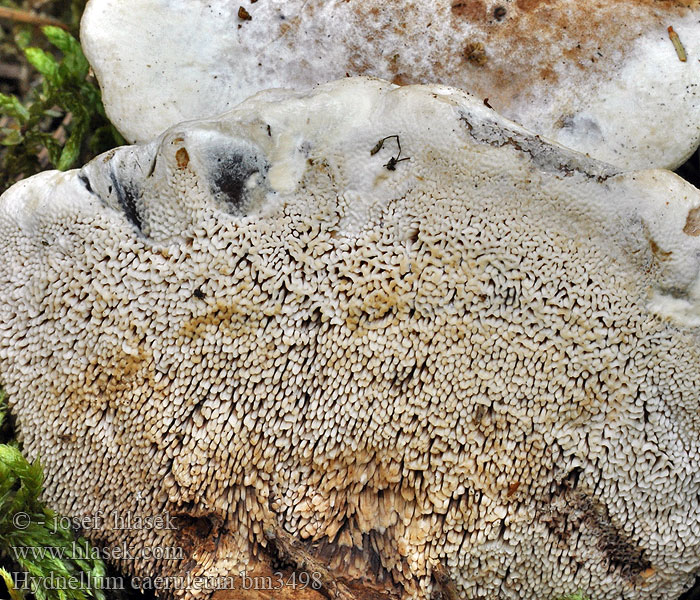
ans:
(243, 14)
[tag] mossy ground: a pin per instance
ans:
(51, 113)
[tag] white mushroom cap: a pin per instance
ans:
(602, 77)
(463, 366)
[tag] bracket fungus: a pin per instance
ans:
(603, 77)
(474, 371)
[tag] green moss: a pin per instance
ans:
(576, 596)
(64, 122)
(33, 541)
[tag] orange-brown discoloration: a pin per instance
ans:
(659, 252)
(512, 488)
(217, 317)
(514, 63)
(182, 158)
(358, 64)
(692, 223)
(548, 74)
(530, 5)
(472, 10)
(401, 79)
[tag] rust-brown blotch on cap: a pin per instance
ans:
(602, 77)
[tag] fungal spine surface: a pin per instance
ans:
(476, 370)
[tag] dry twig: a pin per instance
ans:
(24, 16)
